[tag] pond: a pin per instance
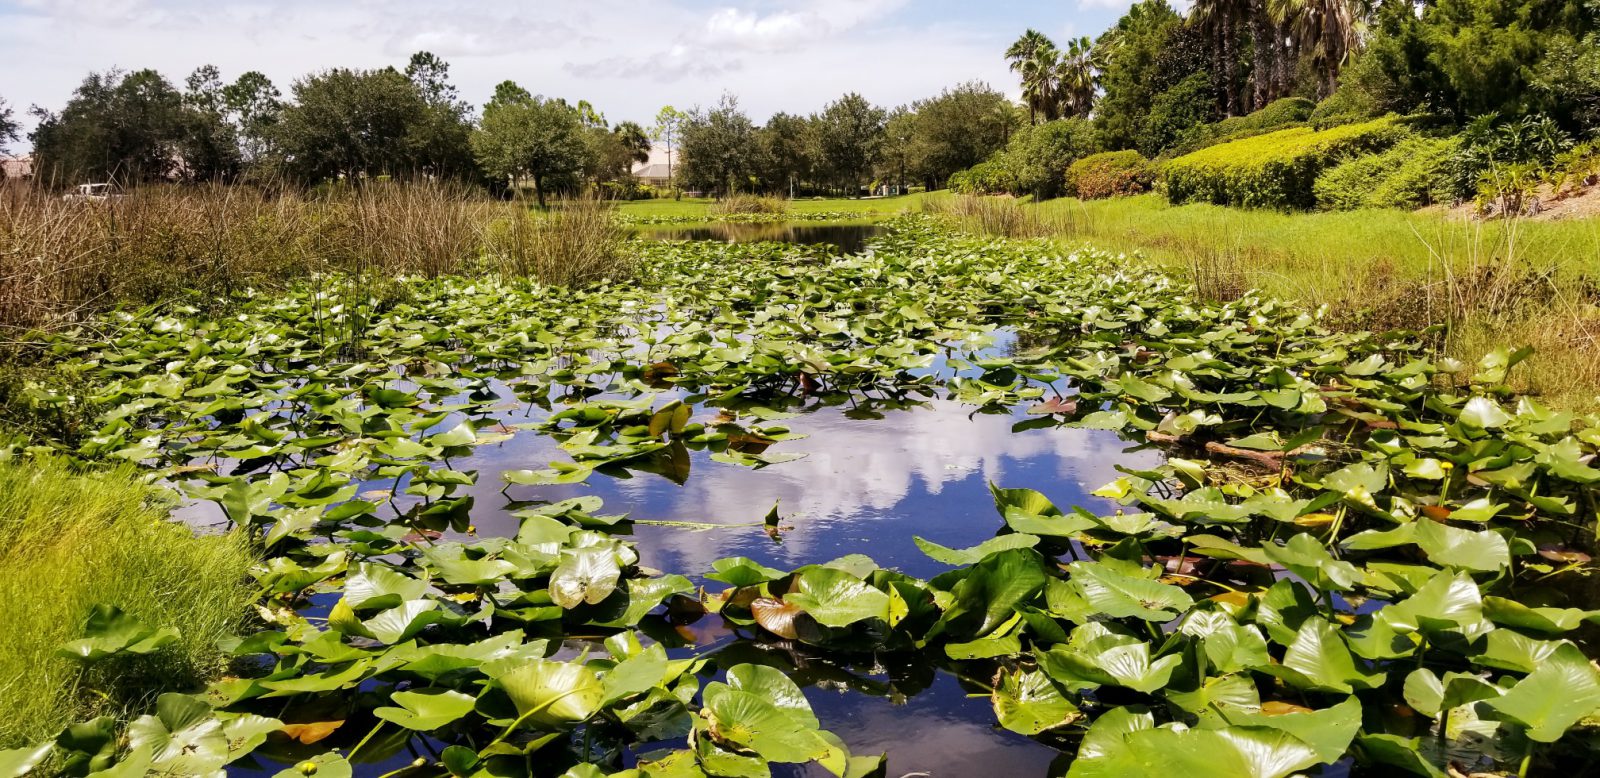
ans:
(847, 238)
(763, 509)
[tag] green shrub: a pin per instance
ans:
(1275, 170)
(1034, 162)
(1110, 174)
(1406, 176)
(69, 542)
(1179, 116)
(1276, 115)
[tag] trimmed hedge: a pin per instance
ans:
(1275, 170)
(1405, 176)
(1110, 174)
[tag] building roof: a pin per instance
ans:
(16, 167)
(652, 170)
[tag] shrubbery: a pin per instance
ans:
(1110, 174)
(1034, 162)
(1405, 176)
(1275, 170)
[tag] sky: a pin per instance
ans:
(627, 58)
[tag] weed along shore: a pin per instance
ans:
(494, 519)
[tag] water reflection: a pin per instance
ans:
(849, 238)
(865, 486)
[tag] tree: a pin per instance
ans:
(523, 136)
(1326, 30)
(1075, 78)
(8, 127)
(1176, 113)
(721, 153)
(849, 133)
(899, 144)
(1040, 91)
(668, 127)
(1022, 56)
(116, 126)
(353, 123)
(959, 128)
(208, 144)
(789, 147)
(1149, 51)
(1222, 18)
(614, 152)
(255, 107)
(440, 138)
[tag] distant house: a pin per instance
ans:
(14, 169)
(659, 169)
(658, 175)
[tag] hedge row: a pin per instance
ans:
(1110, 174)
(1275, 170)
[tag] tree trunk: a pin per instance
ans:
(538, 189)
(1230, 72)
(1283, 61)
(1261, 60)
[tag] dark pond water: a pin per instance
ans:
(849, 238)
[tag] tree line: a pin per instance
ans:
(341, 124)
(1155, 78)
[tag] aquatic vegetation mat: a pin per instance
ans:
(1352, 555)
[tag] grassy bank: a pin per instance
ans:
(1489, 283)
(71, 542)
(702, 207)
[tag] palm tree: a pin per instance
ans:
(1075, 77)
(1329, 30)
(1039, 83)
(1221, 18)
(1021, 55)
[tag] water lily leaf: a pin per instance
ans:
(17, 762)
(1029, 703)
(1328, 731)
(1549, 621)
(772, 685)
(553, 693)
(1430, 695)
(329, 765)
(637, 674)
(994, 588)
(183, 736)
(379, 586)
(741, 571)
(460, 435)
(585, 575)
(1446, 601)
(975, 554)
(836, 598)
(1307, 558)
(1484, 413)
(1319, 660)
(1123, 596)
(747, 722)
(425, 710)
(110, 631)
(1396, 751)
(1563, 690)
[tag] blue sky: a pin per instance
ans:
(628, 58)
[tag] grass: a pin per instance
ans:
(61, 262)
(688, 207)
(1489, 283)
(69, 542)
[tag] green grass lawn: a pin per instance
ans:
(881, 206)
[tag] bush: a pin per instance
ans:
(70, 542)
(742, 203)
(1275, 170)
(1178, 116)
(1276, 115)
(1034, 162)
(1406, 176)
(1490, 148)
(1110, 174)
